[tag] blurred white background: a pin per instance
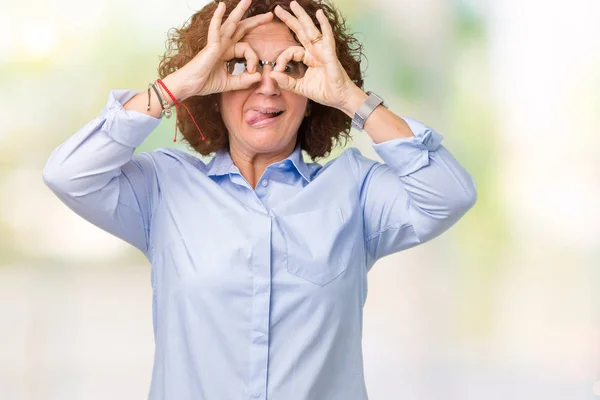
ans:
(506, 305)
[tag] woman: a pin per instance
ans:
(260, 260)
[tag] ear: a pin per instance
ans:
(308, 109)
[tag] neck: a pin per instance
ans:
(253, 165)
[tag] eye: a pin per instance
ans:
(237, 66)
(291, 67)
(295, 69)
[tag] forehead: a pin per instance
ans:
(270, 39)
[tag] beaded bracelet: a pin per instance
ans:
(148, 108)
(166, 106)
(177, 104)
(160, 99)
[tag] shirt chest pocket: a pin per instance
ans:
(317, 244)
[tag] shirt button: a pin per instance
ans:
(264, 182)
(282, 165)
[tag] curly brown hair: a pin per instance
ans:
(318, 132)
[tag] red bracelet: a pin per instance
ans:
(177, 104)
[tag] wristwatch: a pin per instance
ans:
(372, 102)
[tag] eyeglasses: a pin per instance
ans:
(293, 69)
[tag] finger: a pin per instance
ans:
(243, 50)
(285, 82)
(242, 81)
(215, 24)
(328, 36)
(293, 23)
(307, 23)
(295, 53)
(249, 24)
(234, 18)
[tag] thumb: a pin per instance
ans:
(285, 82)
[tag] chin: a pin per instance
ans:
(267, 140)
(268, 145)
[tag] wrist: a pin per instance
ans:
(177, 86)
(356, 98)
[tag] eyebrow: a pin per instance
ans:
(281, 52)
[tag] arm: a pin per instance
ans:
(421, 190)
(95, 173)
(418, 193)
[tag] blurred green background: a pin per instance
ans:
(506, 305)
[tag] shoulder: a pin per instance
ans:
(163, 160)
(353, 160)
(354, 155)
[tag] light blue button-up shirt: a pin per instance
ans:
(257, 293)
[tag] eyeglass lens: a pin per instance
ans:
(294, 69)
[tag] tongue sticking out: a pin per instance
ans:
(254, 117)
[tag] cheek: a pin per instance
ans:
(230, 106)
(298, 104)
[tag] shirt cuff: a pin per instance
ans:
(408, 155)
(127, 127)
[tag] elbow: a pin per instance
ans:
(75, 183)
(469, 201)
(51, 176)
(452, 207)
(56, 179)
(466, 200)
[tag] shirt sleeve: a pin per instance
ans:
(419, 192)
(95, 173)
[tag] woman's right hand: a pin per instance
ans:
(206, 73)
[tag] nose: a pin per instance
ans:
(268, 86)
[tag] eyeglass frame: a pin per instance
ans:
(262, 63)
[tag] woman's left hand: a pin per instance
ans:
(325, 82)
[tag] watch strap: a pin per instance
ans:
(365, 110)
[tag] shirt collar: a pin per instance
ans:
(298, 162)
(222, 164)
